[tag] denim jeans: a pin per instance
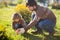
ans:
(46, 24)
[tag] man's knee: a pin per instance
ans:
(40, 25)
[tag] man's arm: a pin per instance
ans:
(33, 22)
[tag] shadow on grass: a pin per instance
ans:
(52, 38)
(31, 37)
(46, 37)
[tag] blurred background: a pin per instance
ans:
(7, 9)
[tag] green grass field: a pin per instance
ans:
(6, 20)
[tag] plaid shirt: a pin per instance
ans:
(42, 13)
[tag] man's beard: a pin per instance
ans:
(34, 9)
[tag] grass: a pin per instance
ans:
(6, 20)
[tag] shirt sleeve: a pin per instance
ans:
(23, 23)
(13, 26)
(33, 22)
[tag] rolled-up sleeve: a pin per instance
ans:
(33, 22)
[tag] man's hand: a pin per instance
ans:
(26, 29)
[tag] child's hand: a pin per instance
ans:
(18, 31)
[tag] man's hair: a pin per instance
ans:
(31, 3)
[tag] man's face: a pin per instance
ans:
(31, 8)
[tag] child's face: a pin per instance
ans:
(16, 20)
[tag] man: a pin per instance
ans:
(43, 18)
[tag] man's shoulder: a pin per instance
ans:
(41, 8)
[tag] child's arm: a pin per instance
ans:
(13, 26)
(23, 23)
